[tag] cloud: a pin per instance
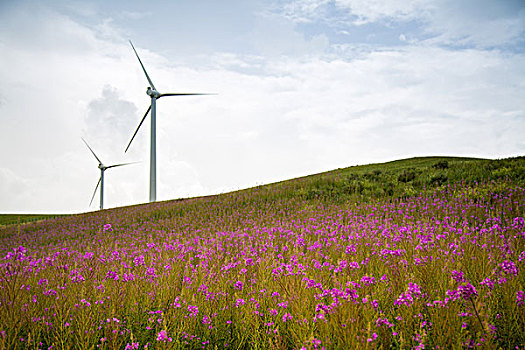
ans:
(355, 12)
(368, 11)
(472, 23)
(306, 114)
(110, 118)
(483, 24)
(14, 189)
(385, 92)
(134, 15)
(275, 35)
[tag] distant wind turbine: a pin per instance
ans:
(102, 168)
(154, 94)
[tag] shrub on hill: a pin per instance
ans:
(404, 178)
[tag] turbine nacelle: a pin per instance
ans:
(152, 93)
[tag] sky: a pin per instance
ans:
(303, 86)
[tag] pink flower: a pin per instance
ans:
(206, 320)
(350, 249)
(194, 310)
(458, 276)
(509, 267)
(520, 296)
(150, 271)
(488, 282)
(163, 336)
(467, 291)
(284, 305)
(287, 316)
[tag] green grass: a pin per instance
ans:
(396, 179)
(12, 219)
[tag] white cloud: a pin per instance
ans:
(475, 23)
(275, 36)
(368, 11)
(111, 119)
(302, 11)
(356, 12)
(14, 189)
(482, 24)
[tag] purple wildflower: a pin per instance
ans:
(467, 291)
(163, 336)
(287, 316)
(520, 297)
(458, 276)
(350, 249)
(488, 282)
(194, 310)
(151, 272)
(368, 280)
(509, 267)
(372, 338)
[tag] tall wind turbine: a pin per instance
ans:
(102, 168)
(155, 95)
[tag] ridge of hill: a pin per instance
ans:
(393, 179)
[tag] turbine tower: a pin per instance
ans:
(100, 182)
(154, 94)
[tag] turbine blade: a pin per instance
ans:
(184, 94)
(91, 150)
(142, 121)
(94, 192)
(116, 165)
(144, 69)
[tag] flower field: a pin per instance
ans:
(267, 268)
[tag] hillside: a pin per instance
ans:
(415, 253)
(400, 178)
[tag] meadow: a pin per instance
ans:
(10, 219)
(425, 253)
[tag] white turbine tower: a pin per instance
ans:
(154, 94)
(102, 168)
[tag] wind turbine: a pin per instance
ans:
(102, 168)
(155, 95)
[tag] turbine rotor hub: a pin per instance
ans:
(152, 93)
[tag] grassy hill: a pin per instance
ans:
(422, 252)
(396, 179)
